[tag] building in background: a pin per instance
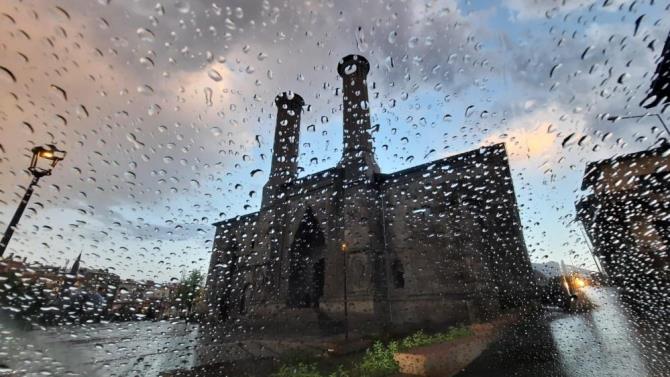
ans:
(627, 218)
(437, 243)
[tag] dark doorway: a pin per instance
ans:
(307, 267)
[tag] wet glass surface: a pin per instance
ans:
(319, 188)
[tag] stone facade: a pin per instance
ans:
(437, 243)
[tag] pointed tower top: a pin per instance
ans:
(75, 266)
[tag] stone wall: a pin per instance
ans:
(439, 242)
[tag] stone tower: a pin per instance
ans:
(361, 209)
(284, 168)
(358, 159)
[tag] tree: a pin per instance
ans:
(188, 289)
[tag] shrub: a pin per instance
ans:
(297, 370)
(378, 360)
(306, 370)
(420, 338)
(340, 372)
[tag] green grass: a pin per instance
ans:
(378, 360)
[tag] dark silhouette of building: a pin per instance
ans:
(440, 242)
(627, 217)
(659, 92)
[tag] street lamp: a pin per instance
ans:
(344, 249)
(43, 161)
(660, 119)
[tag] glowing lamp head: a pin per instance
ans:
(44, 159)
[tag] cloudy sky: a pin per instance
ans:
(165, 108)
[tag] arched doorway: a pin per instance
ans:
(307, 265)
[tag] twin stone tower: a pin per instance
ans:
(437, 243)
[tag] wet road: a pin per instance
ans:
(116, 349)
(607, 341)
(603, 342)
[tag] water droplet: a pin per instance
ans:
(82, 110)
(61, 120)
(63, 12)
(567, 139)
(145, 89)
(7, 75)
(133, 139)
(147, 62)
(214, 75)
(154, 110)
(256, 172)
(145, 35)
(28, 127)
(208, 96)
(392, 37)
(182, 6)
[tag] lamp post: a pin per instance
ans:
(344, 248)
(48, 154)
(660, 119)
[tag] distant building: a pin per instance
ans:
(437, 243)
(92, 280)
(627, 217)
(136, 300)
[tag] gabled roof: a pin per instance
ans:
(489, 149)
(454, 159)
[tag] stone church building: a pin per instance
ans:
(437, 243)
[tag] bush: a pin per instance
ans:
(378, 360)
(419, 338)
(297, 370)
(306, 370)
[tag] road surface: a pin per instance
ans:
(607, 341)
(604, 342)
